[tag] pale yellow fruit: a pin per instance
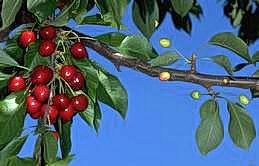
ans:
(165, 42)
(196, 95)
(164, 76)
(243, 99)
(225, 81)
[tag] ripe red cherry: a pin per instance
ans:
(67, 114)
(48, 32)
(33, 106)
(47, 48)
(41, 93)
(26, 38)
(16, 83)
(55, 135)
(77, 81)
(36, 115)
(41, 75)
(78, 51)
(80, 103)
(61, 101)
(67, 71)
(53, 112)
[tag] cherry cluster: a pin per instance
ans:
(42, 101)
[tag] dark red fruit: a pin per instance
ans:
(67, 114)
(48, 33)
(41, 75)
(67, 71)
(41, 93)
(61, 101)
(77, 81)
(36, 115)
(16, 83)
(55, 135)
(33, 106)
(78, 51)
(80, 103)
(53, 112)
(26, 38)
(47, 48)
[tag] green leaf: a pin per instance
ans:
(17, 161)
(12, 114)
(95, 20)
(182, 7)
(4, 79)
(146, 15)
(210, 132)
(166, 59)
(237, 20)
(81, 11)
(112, 11)
(9, 11)
(75, 9)
(137, 46)
(240, 66)
(41, 8)
(92, 115)
(63, 162)
(12, 149)
(114, 39)
(255, 57)
(65, 139)
(224, 62)
(14, 50)
(233, 43)
(111, 92)
(6, 60)
(50, 147)
(33, 58)
(241, 126)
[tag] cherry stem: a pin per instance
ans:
(23, 67)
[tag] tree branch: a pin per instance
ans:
(205, 80)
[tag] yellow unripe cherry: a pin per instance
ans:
(243, 99)
(196, 95)
(225, 81)
(165, 42)
(164, 76)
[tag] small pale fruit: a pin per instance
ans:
(243, 99)
(196, 95)
(164, 76)
(225, 81)
(165, 42)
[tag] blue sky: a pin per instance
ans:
(162, 118)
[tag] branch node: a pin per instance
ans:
(193, 63)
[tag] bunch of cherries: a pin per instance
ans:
(38, 102)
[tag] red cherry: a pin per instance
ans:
(41, 75)
(47, 48)
(33, 106)
(16, 83)
(36, 115)
(77, 81)
(48, 32)
(55, 135)
(80, 103)
(61, 101)
(53, 112)
(67, 114)
(67, 71)
(78, 51)
(41, 93)
(26, 38)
